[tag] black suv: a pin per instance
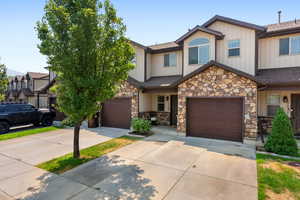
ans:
(17, 114)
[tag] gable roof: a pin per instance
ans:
(138, 44)
(234, 22)
(163, 45)
(283, 28)
(37, 75)
(283, 25)
(225, 67)
(218, 34)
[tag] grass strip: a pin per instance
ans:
(18, 134)
(64, 163)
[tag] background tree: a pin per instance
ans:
(3, 81)
(281, 140)
(86, 47)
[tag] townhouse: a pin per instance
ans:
(26, 89)
(215, 81)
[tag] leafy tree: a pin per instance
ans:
(281, 140)
(3, 81)
(86, 47)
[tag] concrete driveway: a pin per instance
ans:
(155, 168)
(18, 157)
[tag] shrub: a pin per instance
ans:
(281, 140)
(140, 125)
(68, 122)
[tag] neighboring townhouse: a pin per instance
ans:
(215, 81)
(27, 88)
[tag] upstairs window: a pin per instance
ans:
(273, 102)
(233, 48)
(289, 46)
(199, 51)
(170, 60)
(161, 103)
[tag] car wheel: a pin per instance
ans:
(4, 127)
(47, 121)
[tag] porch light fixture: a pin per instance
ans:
(135, 94)
(285, 99)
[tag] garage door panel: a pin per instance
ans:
(117, 113)
(219, 118)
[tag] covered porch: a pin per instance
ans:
(160, 107)
(282, 89)
(158, 100)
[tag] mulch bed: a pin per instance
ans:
(146, 134)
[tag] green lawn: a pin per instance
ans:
(8, 136)
(276, 179)
(67, 162)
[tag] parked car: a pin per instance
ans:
(17, 114)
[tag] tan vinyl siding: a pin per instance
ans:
(269, 54)
(138, 72)
(167, 103)
(190, 68)
(246, 61)
(158, 68)
(145, 102)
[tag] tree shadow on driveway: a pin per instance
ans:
(103, 178)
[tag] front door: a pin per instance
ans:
(296, 112)
(174, 109)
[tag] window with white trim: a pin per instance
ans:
(170, 60)
(160, 103)
(289, 46)
(233, 48)
(273, 103)
(199, 51)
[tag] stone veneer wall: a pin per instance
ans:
(163, 118)
(128, 90)
(217, 82)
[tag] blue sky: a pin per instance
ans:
(148, 22)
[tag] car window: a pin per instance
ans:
(2, 108)
(27, 108)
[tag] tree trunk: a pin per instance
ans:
(76, 152)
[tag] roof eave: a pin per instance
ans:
(214, 63)
(234, 22)
(219, 36)
(279, 32)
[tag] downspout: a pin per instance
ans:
(38, 99)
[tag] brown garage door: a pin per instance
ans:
(218, 118)
(117, 113)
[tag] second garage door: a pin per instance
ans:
(217, 118)
(117, 113)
